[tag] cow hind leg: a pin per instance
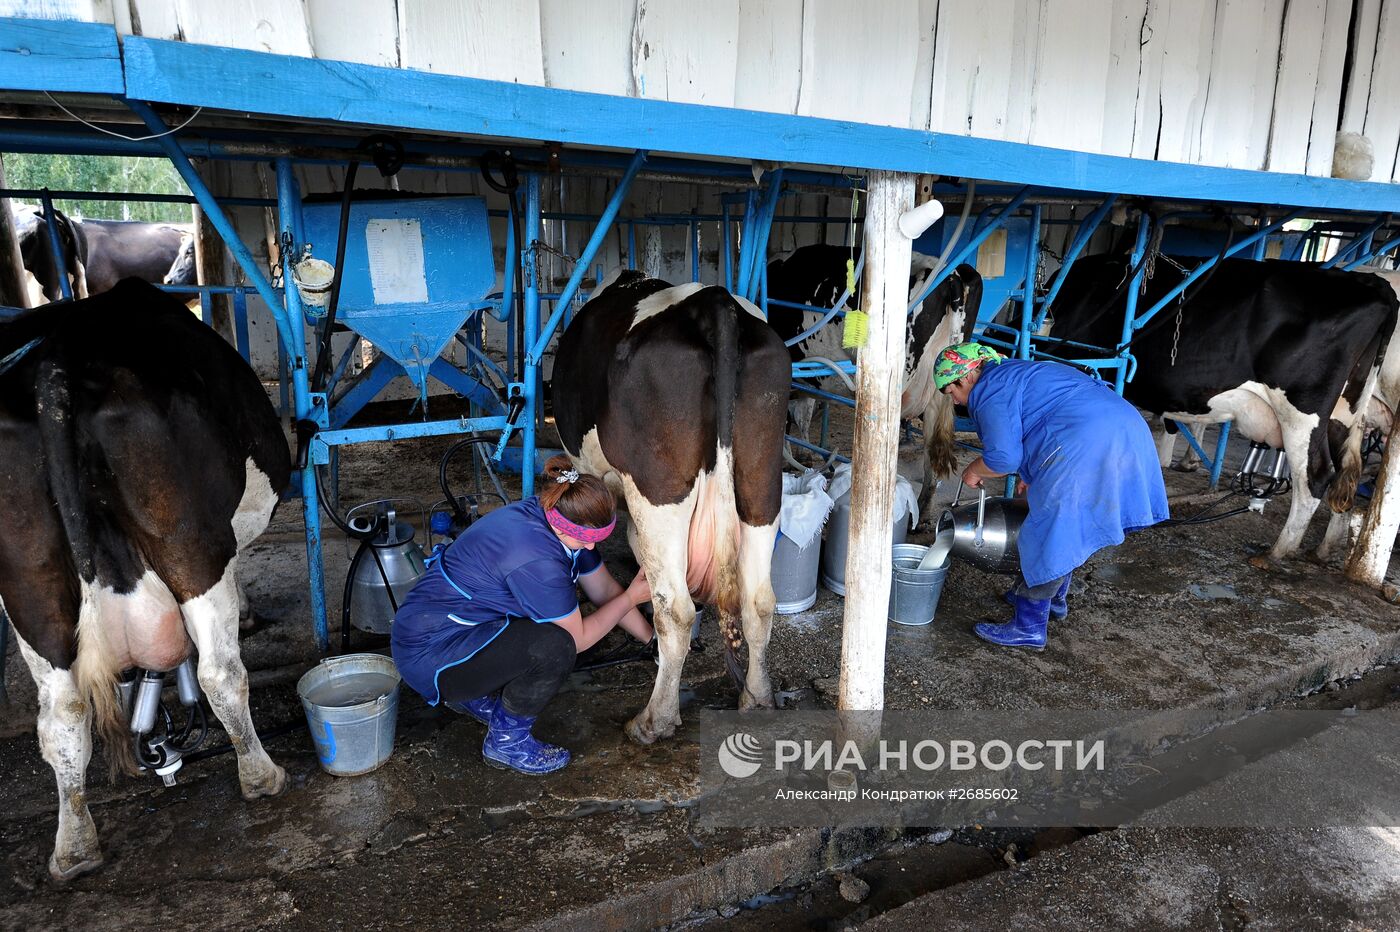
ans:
(660, 539)
(1299, 440)
(65, 739)
(212, 621)
(757, 603)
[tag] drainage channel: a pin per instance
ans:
(926, 861)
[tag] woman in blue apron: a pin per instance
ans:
(1085, 460)
(493, 628)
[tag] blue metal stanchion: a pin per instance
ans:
(65, 287)
(530, 377)
(1023, 343)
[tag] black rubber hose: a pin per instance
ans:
(321, 374)
(508, 185)
(349, 591)
(447, 458)
(277, 732)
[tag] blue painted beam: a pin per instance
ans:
(57, 55)
(307, 88)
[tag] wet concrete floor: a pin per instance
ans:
(1173, 618)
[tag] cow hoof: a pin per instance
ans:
(270, 784)
(645, 734)
(1264, 562)
(1186, 467)
(77, 869)
(748, 703)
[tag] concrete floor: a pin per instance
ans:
(1174, 618)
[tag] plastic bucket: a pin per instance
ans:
(838, 532)
(914, 592)
(352, 706)
(794, 575)
(313, 278)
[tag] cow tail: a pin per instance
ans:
(96, 678)
(728, 594)
(939, 434)
(94, 670)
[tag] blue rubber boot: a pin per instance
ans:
(479, 708)
(510, 746)
(1025, 629)
(1059, 602)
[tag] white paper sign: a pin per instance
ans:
(396, 261)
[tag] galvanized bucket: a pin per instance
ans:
(914, 592)
(352, 705)
(794, 575)
(838, 532)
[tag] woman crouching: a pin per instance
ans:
(493, 628)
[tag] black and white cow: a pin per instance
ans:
(1290, 352)
(816, 275)
(32, 232)
(676, 397)
(139, 455)
(117, 249)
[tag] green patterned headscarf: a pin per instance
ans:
(958, 360)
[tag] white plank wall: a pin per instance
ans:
(277, 26)
(1363, 46)
(364, 31)
(1240, 93)
(859, 66)
(587, 44)
(1382, 116)
(1071, 82)
(1243, 83)
(973, 47)
(1299, 72)
(1187, 34)
(158, 19)
(686, 52)
(1327, 100)
(1125, 61)
(473, 38)
(768, 64)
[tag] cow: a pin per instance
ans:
(816, 276)
(36, 252)
(676, 397)
(115, 249)
(182, 270)
(139, 455)
(1291, 353)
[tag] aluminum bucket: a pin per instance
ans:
(352, 705)
(838, 534)
(794, 575)
(914, 592)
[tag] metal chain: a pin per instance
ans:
(1176, 337)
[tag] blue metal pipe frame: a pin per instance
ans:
(1086, 231)
(65, 287)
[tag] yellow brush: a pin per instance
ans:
(857, 325)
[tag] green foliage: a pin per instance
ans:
(121, 174)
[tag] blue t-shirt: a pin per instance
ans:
(509, 564)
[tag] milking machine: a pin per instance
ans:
(1263, 475)
(159, 748)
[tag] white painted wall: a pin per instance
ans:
(1243, 83)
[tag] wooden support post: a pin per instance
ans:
(884, 296)
(210, 256)
(1370, 558)
(13, 292)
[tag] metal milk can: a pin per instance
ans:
(985, 531)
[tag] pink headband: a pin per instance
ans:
(589, 535)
